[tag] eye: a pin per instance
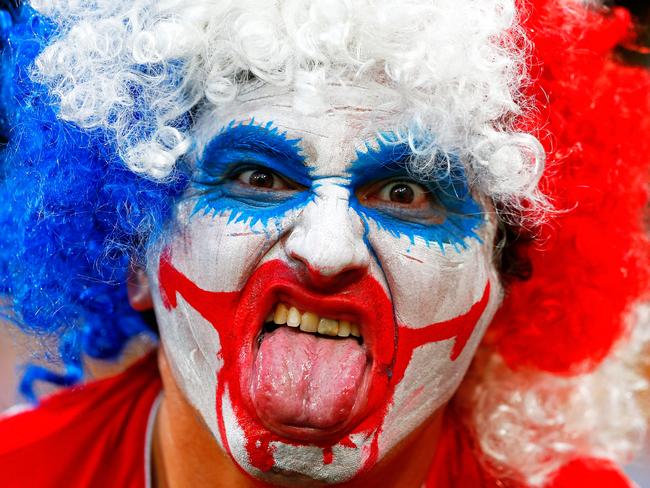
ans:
(264, 179)
(404, 199)
(401, 193)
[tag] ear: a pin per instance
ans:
(138, 289)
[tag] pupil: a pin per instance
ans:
(401, 193)
(261, 179)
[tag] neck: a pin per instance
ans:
(185, 453)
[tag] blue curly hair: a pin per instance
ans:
(73, 217)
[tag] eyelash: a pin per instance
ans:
(236, 175)
(452, 219)
(364, 193)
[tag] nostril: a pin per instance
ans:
(339, 278)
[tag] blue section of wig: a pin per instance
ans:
(72, 217)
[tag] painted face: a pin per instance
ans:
(317, 304)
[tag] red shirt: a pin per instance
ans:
(95, 435)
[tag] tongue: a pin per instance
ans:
(303, 380)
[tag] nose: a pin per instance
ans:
(327, 240)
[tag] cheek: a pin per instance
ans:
(429, 285)
(192, 346)
(430, 380)
(220, 255)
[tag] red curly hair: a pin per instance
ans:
(591, 262)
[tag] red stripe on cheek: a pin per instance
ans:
(459, 328)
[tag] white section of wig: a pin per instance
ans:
(528, 424)
(455, 70)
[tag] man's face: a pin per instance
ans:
(316, 302)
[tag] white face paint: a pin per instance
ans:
(311, 211)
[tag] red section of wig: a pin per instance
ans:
(591, 261)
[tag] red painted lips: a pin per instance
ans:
(306, 387)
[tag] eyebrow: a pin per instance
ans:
(263, 139)
(388, 156)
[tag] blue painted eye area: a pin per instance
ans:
(252, 183)
(249, 183)
(253, 172)
(438, 209)
(251, 192)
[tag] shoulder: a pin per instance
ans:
(83, 434)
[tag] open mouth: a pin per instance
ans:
(305, 379)
(292, 371)
(310, 370)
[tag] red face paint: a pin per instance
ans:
(238, 318)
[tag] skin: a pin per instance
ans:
(436, 296)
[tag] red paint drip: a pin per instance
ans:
(328, 455)
(236, 315)
(347, 442)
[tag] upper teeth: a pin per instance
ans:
(311, 322)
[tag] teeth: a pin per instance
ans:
(328, 327)
(344, 328)
(281, 314)
(311, 322)
(354, 330)
(293, 320)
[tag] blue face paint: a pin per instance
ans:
(461, 215)
(241, 147)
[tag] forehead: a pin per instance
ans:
(331, 124)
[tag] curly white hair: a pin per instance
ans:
(455, 71)
(528, 423)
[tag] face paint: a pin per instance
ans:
(313, 212)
